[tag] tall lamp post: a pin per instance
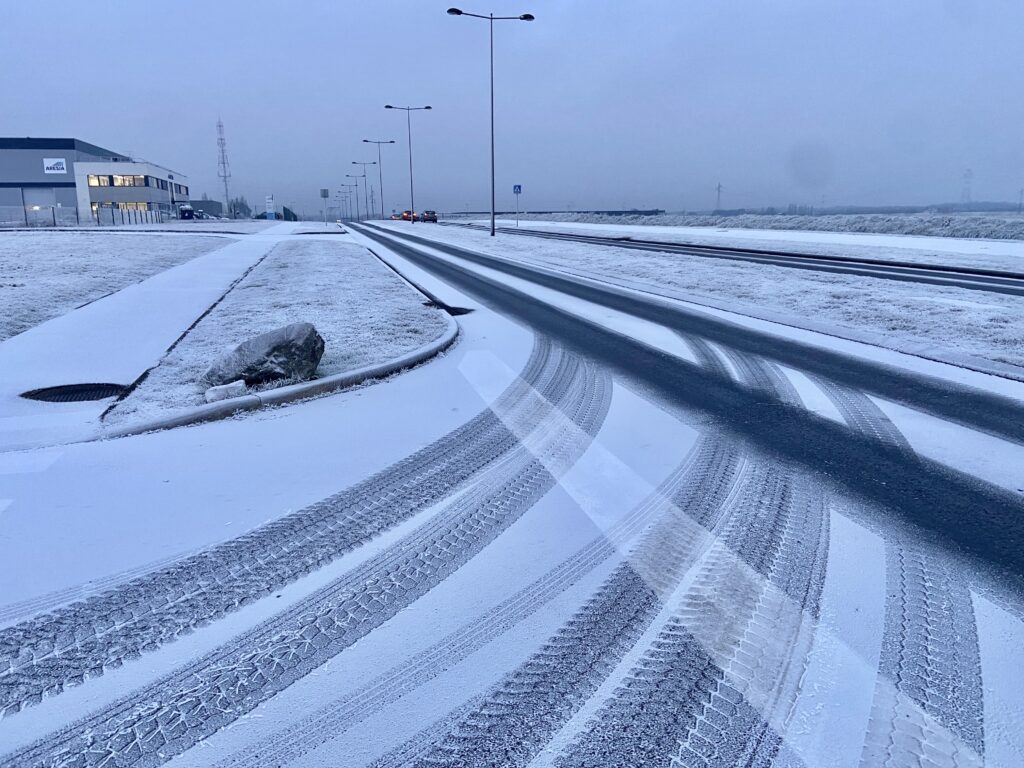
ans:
(408, 124)
(380, 169)
(357, 177)
(491, 18)
(357, 199)
(366, 194)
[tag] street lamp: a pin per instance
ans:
(492, 18)
(346, 192)
(366, 197)
(356, 185)
(348, 204)
(380, 170)
(408, 124)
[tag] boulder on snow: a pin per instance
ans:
(291, 352)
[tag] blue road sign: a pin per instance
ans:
(517, 189)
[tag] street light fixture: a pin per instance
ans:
(348, 197)
(408, 124)
(380, 169)
(492, 18)
(366, 197)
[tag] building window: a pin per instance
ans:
(93, 180)
(99, 181)
(140, 181)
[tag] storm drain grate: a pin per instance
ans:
(75, 393)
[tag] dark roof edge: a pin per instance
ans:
(11, 142)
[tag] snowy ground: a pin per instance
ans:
(959, 225)
(904, 316)
(45, 274)
(979, 254)
(522, 553)
(365, 313)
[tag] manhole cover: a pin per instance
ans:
(74, 393)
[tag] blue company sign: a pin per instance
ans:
(517, 189)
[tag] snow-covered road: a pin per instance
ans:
(605, 529)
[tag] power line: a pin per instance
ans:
(223, 169)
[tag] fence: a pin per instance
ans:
(112, 217)
(55, 216)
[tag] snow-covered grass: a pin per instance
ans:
(989, 226)
(1003, 255)
(365, 313)
(45, 274)
(904, 316)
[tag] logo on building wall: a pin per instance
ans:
(55, 165)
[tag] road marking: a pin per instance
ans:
(989, 458)
(811, 395)
(1001, 642)
(832, 712)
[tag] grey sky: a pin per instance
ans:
(599, 103)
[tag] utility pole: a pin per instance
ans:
(718, 196)
(223, 169)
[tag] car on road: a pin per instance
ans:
(429, 216)
(409, 216)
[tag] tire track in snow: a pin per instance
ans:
(64, 648)
(928, 708)
(730, 661)
(174, 713)
(519, 715)
(288, 745)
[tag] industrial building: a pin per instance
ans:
(69, 181)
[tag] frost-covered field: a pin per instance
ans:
(989, 226)
(903, 316)
(1003, 255)
(365, 313)
(45, 274)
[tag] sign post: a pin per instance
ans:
(517, 190)
(270, 207)
(324, 194)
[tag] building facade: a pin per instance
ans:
(68, 181)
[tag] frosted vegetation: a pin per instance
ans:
(365, 313)
(990, 226)
(47, 274)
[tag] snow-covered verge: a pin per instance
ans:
(909, 317)
(1005, 255)
(45, 274)
(365, 313)
(989, 226)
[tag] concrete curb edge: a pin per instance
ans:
(293, 392)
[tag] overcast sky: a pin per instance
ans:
(600, 103)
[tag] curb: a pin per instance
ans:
(293, 392)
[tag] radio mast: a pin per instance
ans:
(223, 169)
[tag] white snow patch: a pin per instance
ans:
(810, 393)
(831, 715)
(994, 460)
(1001, 642)
(45, 274)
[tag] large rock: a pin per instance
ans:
(292, 352)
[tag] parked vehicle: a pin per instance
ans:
(186, 212)
(429, 216)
